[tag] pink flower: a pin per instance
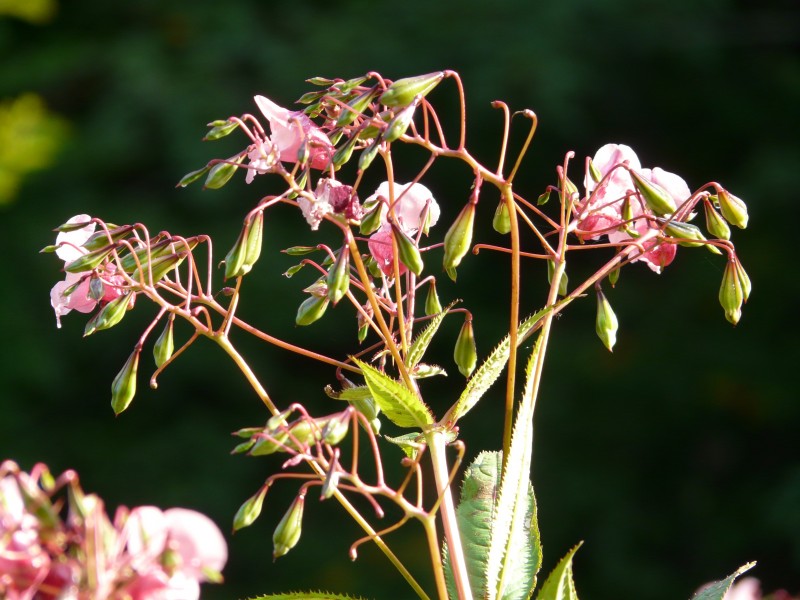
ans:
(330, 196)
(83, 298)
(601, 212)
(744, 589)
(414, 208)
(291, 129)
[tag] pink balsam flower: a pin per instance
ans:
(601, 213)
(414, 208)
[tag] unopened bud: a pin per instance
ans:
(407, 250)
(733, 209)
(109, 315)
(458, 239)
(250, 510)
(123, 388)
(606, 324)
(164, 346)
(311, 310)
(731, 292)
(339, 276)
(501, 222)
(465, 353)
(288, 531)
(659, 200)
(432, 304)
(403, 91)
(222, 172)
(715, 224)
(562, 282)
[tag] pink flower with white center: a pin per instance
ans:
(601, 212)
(82, 298)
(414, 208)
(291, 129)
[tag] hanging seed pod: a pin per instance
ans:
(562, 283)
(715, 224)
(311, 310)
(288, 531)
(109, 315)
(465, 353)
(432, 304)
(733, 209)
(339, 276)
(458, 239)
(123, 388)
(165, 345)
(501, 222)
(222, 172)
(606, 324)
(407, 250)
(403, 91)
(250, 510)
(731, 292)
(659, 200)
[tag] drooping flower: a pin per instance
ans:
(604, 211)
(291, 129)
(330, 196)
(414, 208)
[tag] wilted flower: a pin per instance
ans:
(607, 189)
(330, 196)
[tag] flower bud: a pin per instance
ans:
(339, 276)
(432, 304)
(501, 222)
(606, 324)
(715, 224)
(465, 353)
(250, 510)
(458, 238)
(109, 315)
(287, 533)
(311, 310)
(400, 123)
(164, 346)
(656, 197)
(407, 250)
(731, 292)
(562, 283)
(403, 91)
(123, 388)
(222, 172)
(733, 209)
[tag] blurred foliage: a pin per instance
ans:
(34, 11)
(676, 458)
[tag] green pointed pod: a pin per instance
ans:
(606, 324)
(400, 123)
(407, 250)
(543, 198)
(689, 235)
(250, 510)
(162, 265)
(311, 310)
(331, 483)
(432, 304)
(245, 252)
(339, 276)
(733, 209)
(501, 222)
(458, 239)
(368, 155)
(288, 531)
(109, 315)
(356, 107)
(266, 445)
(335, 429)
(222, 172)
(715, 224)
(744, 280)
(193, 176)
(88, 261)
(101, 239)
(219, 129)
(165, 345)
(594, 172)
(731, 292)
(659, 200)
(465, 352)
(371, 221)
(613, 276)
(344, 152)
(403, 91)
(562, 283)
(123, 388)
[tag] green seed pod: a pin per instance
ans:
(165, 345)
(250, 510)
(109, 315)
(163, 265)
(715, 224)
(362, 332)
(690, 235)
(101, 239)
(311, 310)
(562, 283)
(432, 304)
(731, 292)
(656, 197)
(594, 172)
(465, 353)
(613, 276)
(501, 222)
(371, 221)
(193, 176)
(400, 123)
(458, 238)
(88, 261)
(606, 324)
(331, 483)
(335, 429)
(339, 276)
(288, 531)
(219, 129)
(356, 107)
(733, 209)
(543, 198)
(222, 172)
(744, 280)
(123, 388)
(275, 442)
(344, 152)
(368, 155)
(407, 250)
(245, 252)
(403, 91)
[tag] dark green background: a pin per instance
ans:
(675, 458)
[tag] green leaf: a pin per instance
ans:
(308, 596)
(514, 554)
(491, 368)
(402, 406)
(409, 443)
(718, 589)
(423, 340)
(560, 585)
